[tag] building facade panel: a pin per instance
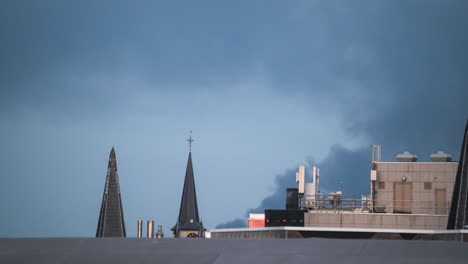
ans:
(411, 187)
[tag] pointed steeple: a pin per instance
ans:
(188, 221)
(111, 219)
(458, 215)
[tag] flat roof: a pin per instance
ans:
(340, 229)
(338, 212)
(194, 251)
(418, 162)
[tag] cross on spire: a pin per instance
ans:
(190, 140)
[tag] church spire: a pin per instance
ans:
(458, 215)
(111, 219)
(188, 223)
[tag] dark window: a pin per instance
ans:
(192, 235)
(381, 185)
(427, 185)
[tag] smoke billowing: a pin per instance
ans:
(351, 168)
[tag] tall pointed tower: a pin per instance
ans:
(111, 219)
(188, 224)
(458, 215)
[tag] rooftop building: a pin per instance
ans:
(404, 194)
(407, 200)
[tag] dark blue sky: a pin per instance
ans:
(264, 85)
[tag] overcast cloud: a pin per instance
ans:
(264, 85)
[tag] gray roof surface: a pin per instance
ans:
(133, 250)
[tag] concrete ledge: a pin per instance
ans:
(376, 220)
(332, 232)
(338, 229)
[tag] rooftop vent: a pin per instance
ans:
(440, 156)
(406, 157)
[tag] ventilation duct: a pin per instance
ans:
(406, 157)
(440, 156)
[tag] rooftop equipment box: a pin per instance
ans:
(284, 217)
(292, 199)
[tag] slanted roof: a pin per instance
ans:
(188, 213)
(111, 219)
(458, 215)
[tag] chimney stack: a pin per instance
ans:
(140, 228)
(150, 229)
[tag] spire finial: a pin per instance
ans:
(190, 140)
(112, 153)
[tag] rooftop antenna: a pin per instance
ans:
(341, 186)
(375, 153)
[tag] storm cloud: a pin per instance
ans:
(264, 85)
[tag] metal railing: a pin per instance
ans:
(365, 204)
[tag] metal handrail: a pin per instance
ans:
(364, 203)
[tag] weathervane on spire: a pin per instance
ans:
(190, 140)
